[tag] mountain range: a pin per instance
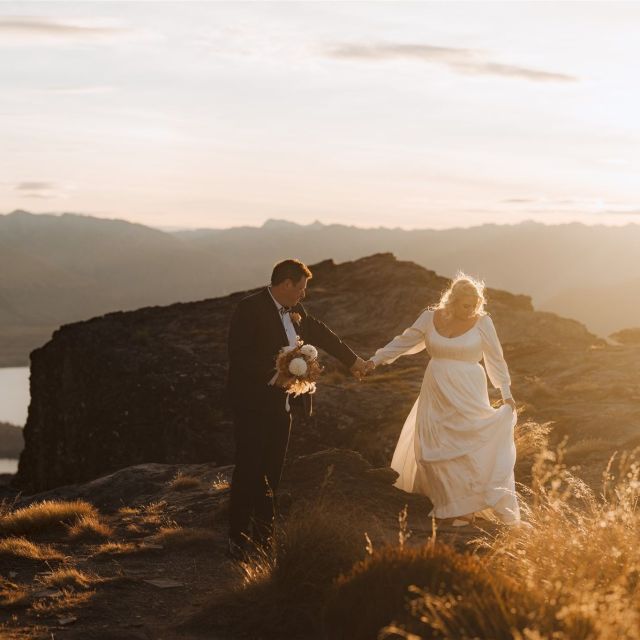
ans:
(56, 269)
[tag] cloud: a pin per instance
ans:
(35, 189)
(458, 60)
(41, 26)
(35, 186)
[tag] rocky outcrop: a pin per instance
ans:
(148, 385)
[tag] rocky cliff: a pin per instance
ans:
(148, 385)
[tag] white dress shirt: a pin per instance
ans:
(287, 322)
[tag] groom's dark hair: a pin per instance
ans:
(290, 270)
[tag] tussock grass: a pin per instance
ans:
(15, 547)
(186, 538)
(115, 549)
(281, 591)
(575, 575)
(7, 506)
(69, 599)
(141, 519)
(583, 554)
(45, 516)
(89, 527)
(183, 482)
(391, 582)
(152, 514)
(220, 483)
(13, 596)
(578, 451)
(68, 577)
(578, 567)
(530, 438)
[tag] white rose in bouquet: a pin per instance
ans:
(298, 367)
(309, 351)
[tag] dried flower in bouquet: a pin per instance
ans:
(299, 367)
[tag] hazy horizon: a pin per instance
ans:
(364, 227)
(411, 115)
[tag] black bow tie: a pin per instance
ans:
(285, 310)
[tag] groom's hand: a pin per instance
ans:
(358, 368)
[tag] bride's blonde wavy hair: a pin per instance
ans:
(461, 286)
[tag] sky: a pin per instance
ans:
(395, 114)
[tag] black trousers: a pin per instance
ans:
(261, 432)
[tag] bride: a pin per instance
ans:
(454, 446)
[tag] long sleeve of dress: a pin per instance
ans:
(411, 340)
(494, 361)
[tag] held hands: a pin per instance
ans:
(360, 368)
(511, 402)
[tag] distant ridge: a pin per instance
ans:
(58, 268)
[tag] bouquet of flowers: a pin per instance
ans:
(299, 367)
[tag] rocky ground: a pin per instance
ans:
(190, 569)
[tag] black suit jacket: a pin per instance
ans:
(256, 335)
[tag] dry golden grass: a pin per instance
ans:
(89, 527)
(387, 585)
(579, 565)
(576, 452)
(68, 599)
(220, 483)
(186, 538)
(142, 519)
(44, 516)
(14, 547)
(575, 575)
(281, 591)
(68, 577)
(134, 529)
(583, 554)
(183, 482)
(13, 596)
(530, 438)
(153, 514)
(7, 506)
(115, 549)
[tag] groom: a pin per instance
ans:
(262, 324)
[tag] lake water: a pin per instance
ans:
(14, 404)
(14, 395)
(8, 465)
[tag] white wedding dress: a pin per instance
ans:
(454, 447)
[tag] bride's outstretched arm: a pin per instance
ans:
(411, 340)
(494, 361)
